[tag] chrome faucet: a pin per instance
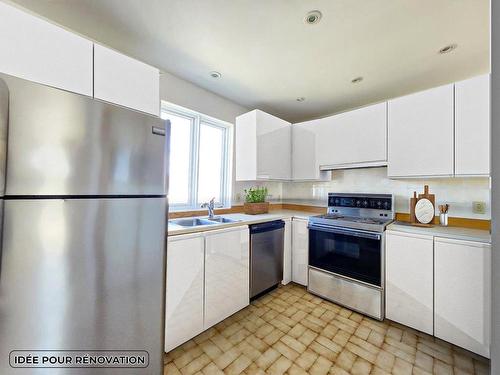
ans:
(210, 206)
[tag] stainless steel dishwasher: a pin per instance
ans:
(266, 256)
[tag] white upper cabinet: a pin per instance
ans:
(263, 147)
(34, 49)
(409, 294)
(462, 274)
(305, 165)
(122, 80)
(472, 126)
(353, 139)
(421, 134)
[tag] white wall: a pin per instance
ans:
(458, 192)
(178, 91)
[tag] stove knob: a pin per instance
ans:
(365, 203)
(379, 203)
(358, 203)
(386, 205)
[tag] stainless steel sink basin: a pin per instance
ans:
(192, 222)
(221, 219)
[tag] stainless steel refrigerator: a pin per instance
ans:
(84, 227)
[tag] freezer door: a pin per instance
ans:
(83, 274)
(62, 143)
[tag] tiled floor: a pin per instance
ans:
(291, 331)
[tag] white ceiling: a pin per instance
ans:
(268, 56)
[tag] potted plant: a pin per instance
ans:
(255, 201)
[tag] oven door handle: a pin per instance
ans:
(348, 232)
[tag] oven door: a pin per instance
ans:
(351, 253)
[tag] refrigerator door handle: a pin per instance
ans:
(158, 131)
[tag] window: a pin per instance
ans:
(200, 159)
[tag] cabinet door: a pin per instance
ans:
(305, 164)
(246, 147)
(36, 50)
(125, 81)
(472, 126)
(227, 271)
(263, 147)
(287, 253)
(273, 147)
(184, 296)
(354, 138)
(463, 294)
(300, 251)
(409, 280)
(421, 134)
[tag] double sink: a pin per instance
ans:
(196, 221)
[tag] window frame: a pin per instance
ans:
(197, 119)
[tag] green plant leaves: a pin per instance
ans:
(256, 194)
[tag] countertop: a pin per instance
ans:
(243, 219)
(457, 233)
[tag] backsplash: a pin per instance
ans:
(459, 193)
(274, 190)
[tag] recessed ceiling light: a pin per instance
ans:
(300, 99)
(448, 48)
(357, 80)
(215, 74)
(313, 17)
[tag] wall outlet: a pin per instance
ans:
(479, 207)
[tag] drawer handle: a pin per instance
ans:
(158, 131)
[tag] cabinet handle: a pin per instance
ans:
(158, 131)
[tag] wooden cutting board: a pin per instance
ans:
(428, 196)
(413, 203)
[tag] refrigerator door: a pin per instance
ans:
(62, 143)
(83, 274)
(4, 123)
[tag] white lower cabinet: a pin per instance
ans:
(300, 251)
(440, 286)
(227, 271)
(287, 252)
(207, 281)
(463, 294)
(184, 289)
(409, 280)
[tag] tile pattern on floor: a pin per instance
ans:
(290, 331)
